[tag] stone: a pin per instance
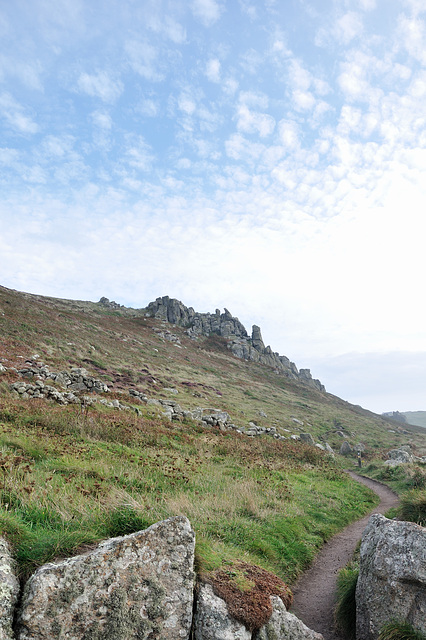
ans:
(400, 455)
(345, 449)
(283, 625)
(212, 620)
(9, 590)
(137, 586)
(307, 438)
(392, 576)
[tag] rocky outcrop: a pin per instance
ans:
(229, 327)
(9, 589)
(138, 586)
(392, 577)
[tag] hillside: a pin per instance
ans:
(416, 417)
(130, 448)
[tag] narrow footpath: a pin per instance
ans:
(314, 592)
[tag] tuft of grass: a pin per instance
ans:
(345, 611)
(400, 630)
(412, 506)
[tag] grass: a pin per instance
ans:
(396, 630)
(345, 611)
(409, 481)
(68, 480)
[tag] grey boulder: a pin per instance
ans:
(137, 586)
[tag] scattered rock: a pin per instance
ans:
(392, 577)
(307, 438)
(345, 449)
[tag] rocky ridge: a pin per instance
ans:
(239, 342)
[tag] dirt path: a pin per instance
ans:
(314, 592)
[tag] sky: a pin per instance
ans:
(267, 156)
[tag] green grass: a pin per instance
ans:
(345, 611)
(400, 631)
(68, 481)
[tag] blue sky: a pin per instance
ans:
(261, 155)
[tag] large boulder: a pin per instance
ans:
(9, 589)
(399, 456)
(137, 586)
(392, 577)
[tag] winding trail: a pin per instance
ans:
(314, 591)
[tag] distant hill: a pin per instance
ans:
(416, 418)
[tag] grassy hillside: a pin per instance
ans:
(416, 417)
(72, 475)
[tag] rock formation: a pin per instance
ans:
(392, 577)
(229, 327)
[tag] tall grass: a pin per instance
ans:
(345, 611)
(396, 630)
(66, 483)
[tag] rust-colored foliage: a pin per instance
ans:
(250, 606)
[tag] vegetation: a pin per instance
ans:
(345, 611)
(400, 631)
(69, 478)
(409, 481)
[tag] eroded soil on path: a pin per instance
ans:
(314, 592)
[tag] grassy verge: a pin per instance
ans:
(409, 482)
(68, 480)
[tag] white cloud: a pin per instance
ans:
(144, 59)
(289, 134)
(206, 11)
(254, 122)
(102, 119)
(100, 85)
(15, 115)
(213, 70)
(348, 27)
(412, 36)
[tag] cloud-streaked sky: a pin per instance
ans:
(268, 156)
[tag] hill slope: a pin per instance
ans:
(111, 462)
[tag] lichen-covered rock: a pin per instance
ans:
(307, 438)
(345, 449)
(9, 589)
(283, 625)
(137, 586)
(392, 577)
(212, 620)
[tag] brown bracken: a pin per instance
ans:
(249, 604)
